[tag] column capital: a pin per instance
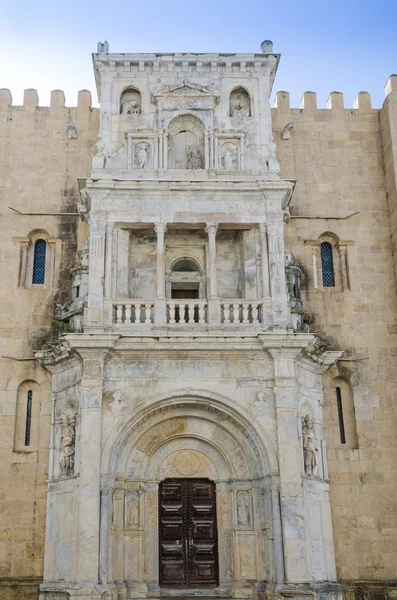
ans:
(109, 227)
(211, 228)
(342, 250)
(160, 228)
(262, 228)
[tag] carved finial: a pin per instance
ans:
(286, 133)
(267, 47)
(103, 46)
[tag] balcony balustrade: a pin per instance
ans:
(133, 312)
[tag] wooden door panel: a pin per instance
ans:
(188, 534)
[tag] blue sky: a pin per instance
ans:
(325, 46)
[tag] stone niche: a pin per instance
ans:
(131, 102)
(186, 143)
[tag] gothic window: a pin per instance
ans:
(39, 261)
(327, 265)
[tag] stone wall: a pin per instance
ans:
(337, 156)
(43, 150)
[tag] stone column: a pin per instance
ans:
(160, 317)
(343, 267)
(88, 526)
(97, 269)
(291, 496)
(213, 299)
(264, 261)
(108, 260)
(24, 260)
(275, 235)
(151, 568)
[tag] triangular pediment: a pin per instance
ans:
(185, 89)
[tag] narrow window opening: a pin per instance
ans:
(327, 264)
(28, 418)
(340, 416)
(40, 249)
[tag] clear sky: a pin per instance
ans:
(325, 45)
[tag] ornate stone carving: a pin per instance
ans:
(286, 133)
(131, 102)
(142, 155)
(186, 463)
(71, 130)
(194, 158)
(68, 439)
(117, 402)
(239, 103)
(309, 446)
(131, 509)
(243, 509)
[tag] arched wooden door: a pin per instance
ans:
(188, 537)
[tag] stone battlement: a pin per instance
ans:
(335, 100)
(31, 100)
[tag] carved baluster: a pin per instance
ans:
(191, 311)
(201, 311)
(119, 314)
(148, 311)
(245, 312)
(128, 312)
(226, 313)
(236, 313)
(171, 307)
(255, 313)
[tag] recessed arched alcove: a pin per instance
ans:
(192, 436)
(239, 103)
(186, 143)
(131, 101)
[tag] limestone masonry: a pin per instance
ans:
(198, 337)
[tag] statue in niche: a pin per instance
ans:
(194, 158)
(272, 163)
(239, 103)
(309, 446)
(131, 107)
(142, 156)
(68, 439)
(228, 159)
(243, 509)
(132, 512)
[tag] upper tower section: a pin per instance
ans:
(169, 113)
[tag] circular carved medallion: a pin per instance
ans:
(186, 463)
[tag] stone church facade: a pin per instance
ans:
(198, 337)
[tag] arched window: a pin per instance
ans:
(327, 265)
(185, 265)
(40, 249)
(28, 417)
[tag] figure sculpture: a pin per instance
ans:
(228, 160)
(194, 159)
(309, 446)
(243, 509)
(240, 109)
(131, 107)
(68, 438)
(142, 158)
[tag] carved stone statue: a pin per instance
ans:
(309, 446)
(286, 133)
(132, 509)
(228, 160)
(142, 157)
(194, 158)
(243, 509)
(131, 107)
(71, 130)
(68, 438)
(240, 108)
